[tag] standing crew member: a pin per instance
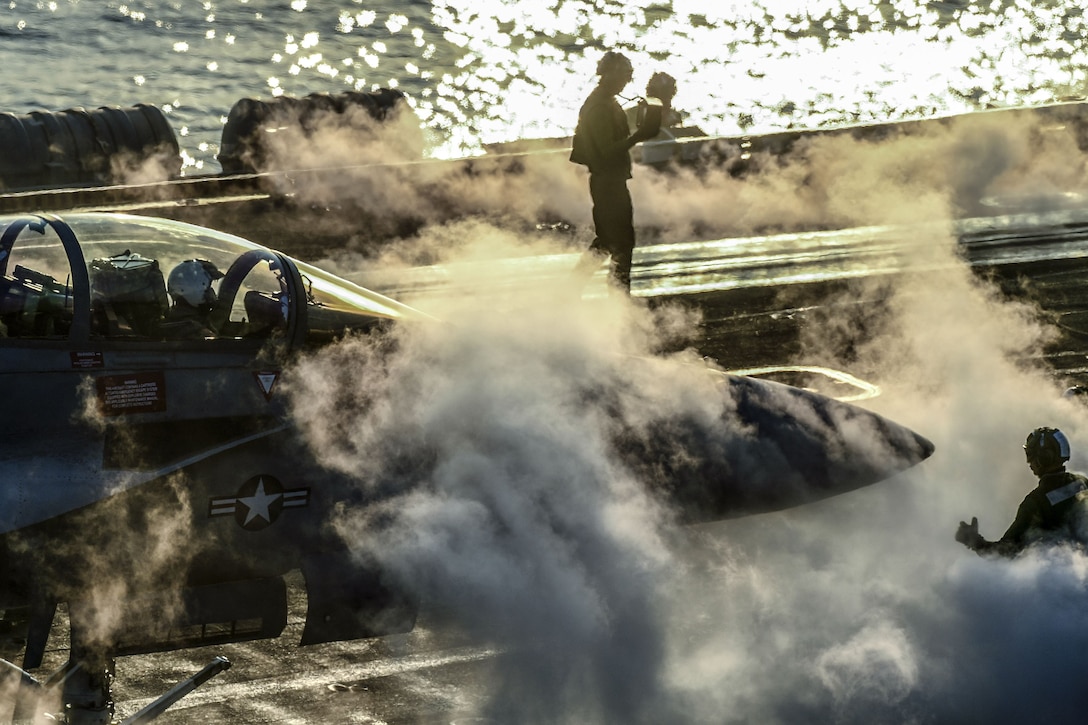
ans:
(602, 143)
(1050, 507)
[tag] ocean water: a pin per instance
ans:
(483, 71)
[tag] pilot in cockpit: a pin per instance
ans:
(193, 300)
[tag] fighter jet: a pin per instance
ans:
(148, 459)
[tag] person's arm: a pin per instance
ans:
(1011, 542)
(598, 129)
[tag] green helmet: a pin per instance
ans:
(1047, 449)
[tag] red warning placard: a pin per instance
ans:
(135, 393)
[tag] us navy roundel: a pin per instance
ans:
(259, 502)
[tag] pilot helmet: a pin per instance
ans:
(1046, 449)
(191, 281)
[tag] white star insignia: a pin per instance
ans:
(258, 503)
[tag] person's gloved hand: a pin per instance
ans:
(967, 534)
(645, 133)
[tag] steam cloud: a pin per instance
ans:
(523, 523)
(858, 609)
(145, 535)
(1003, 161)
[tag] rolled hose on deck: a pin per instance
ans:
(80, 147)
(244, 144)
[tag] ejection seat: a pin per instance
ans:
(128, 296)
(265, 314)
(33, 304)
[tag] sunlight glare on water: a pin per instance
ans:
(484, 71)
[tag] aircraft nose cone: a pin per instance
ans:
(925, 446)
(774, 447)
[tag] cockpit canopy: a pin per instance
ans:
(116, 277)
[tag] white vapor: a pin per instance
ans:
(859, 609)
(864, 608)
(510, 507)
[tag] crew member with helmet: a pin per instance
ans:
(602, 143)
(194, 300)
(660, 90)
(1050, 508)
